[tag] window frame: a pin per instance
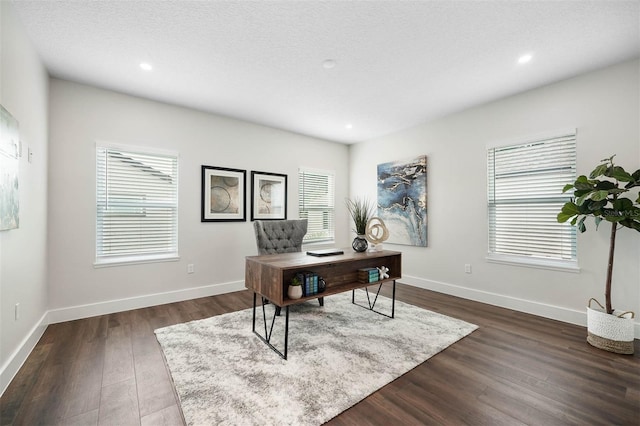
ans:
(530, 260)
(169, 255)
(328, 210)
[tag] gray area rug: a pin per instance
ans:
(338, 354)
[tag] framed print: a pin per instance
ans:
(268, 196)
(223, 194)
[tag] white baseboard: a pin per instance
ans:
(535, 308)
(10, 368)
(19, 356)
(102, 308)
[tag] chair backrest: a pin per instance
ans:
(279, 236)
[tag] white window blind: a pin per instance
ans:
(525, 195)
(137, 205)
(316, 194)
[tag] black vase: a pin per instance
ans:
(360, 244)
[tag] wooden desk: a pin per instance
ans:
(269, 276)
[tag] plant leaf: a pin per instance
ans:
(597, 205)
(605, 185)
(617, 191)
(583, 183)
(618, 173)
(599, 195)
(623, 204)
(635, 180)
(567, 187)
(599, 171)
(581, 192)
(563, 217)
(632, 224)
(580, 200)
(568, 211)
(570, 208)
(581, 226)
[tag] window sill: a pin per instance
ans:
(532, 262)
(135, 260)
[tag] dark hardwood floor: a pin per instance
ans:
(515, 369)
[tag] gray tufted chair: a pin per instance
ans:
(280, 236)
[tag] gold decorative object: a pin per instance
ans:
(376, 231)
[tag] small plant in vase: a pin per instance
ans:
(601, 196)
(295, 288)
(361, 211)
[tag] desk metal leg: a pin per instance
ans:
(393, 300)
(373, 304)
(267, 333)
(253, 326)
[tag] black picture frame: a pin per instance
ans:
(268, 196)
(223, 194)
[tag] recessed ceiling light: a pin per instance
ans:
(329, 63)
(348, 126)
(525, 58)
(146, 66)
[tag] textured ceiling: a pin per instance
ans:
(398, 63)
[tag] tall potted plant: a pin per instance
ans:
(360, 210)
(604, 195)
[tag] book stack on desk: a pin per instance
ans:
(368, 275)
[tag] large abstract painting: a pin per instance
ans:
(402, 200)
(9, 161)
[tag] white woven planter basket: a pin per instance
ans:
(611, 332)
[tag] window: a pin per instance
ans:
(137, 205)
(525, 184)
(316, 195)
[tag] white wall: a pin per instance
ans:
(603, 106)
(80, 115)
(23, 92)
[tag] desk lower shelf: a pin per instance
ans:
(335, 289)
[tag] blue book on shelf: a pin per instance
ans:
(306, 285)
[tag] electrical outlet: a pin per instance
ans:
(190, 268)
(467, 268)
(17, 312)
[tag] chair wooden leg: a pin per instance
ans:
(321, 300)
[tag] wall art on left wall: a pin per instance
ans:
(9, 164)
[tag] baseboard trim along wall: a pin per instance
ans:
(540, 309)
(19, 356)
(102, 308)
